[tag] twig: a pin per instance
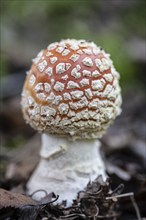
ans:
(97, 211)
(135, 207)
(120, 196)
(131, 195)
(73, 215)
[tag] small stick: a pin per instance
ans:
(74, 215)
(120, 196)
(131, 195)
(135, 207)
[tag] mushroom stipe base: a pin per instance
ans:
(66, 166)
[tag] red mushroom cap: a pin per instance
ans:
(71, 89)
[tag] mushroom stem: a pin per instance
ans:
(66, 166)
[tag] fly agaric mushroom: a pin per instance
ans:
(71, 95)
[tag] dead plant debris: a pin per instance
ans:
(98, 201)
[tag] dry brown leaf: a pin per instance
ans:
(16, 200)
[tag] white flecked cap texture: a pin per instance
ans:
(72, 90)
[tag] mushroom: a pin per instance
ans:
(71, 94)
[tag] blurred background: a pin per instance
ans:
(29, 26)
(118, 26)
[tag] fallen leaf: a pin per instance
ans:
(16, 200)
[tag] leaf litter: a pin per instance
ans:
(97, 201)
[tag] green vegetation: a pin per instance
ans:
(111, 24)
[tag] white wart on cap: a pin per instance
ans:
(72, 89)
